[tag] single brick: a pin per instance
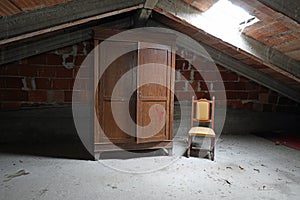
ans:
(54, 59)
(43, 83)
(44, 71)
(28, 70)
(13, 95)
(61, 84)
(37, 96)
(62, 72)
(54, 96)
(37, 60)
(13, 82)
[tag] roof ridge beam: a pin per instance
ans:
(144, 14)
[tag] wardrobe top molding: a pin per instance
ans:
(134, 35)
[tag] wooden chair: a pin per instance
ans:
(205, 111)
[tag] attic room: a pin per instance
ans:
(149, 99)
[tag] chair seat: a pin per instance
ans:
(202, 131)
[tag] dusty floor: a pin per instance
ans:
(246, 167)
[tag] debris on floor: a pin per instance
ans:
(21, 172)
(256, 170)
(261, 170)
(228, 182)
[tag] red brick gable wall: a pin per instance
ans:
(42, 80)
(47, 80)
(241, 92)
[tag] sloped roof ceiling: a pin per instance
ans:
(273, 29)
(272, 46)
(263, 58)
(12, 7)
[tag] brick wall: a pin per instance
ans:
(42, 80)
(241, 92)
(47, 80)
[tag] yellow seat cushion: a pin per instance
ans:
(202, 131)
(202, 111)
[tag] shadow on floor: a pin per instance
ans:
(289, 139)
(132, 154)
(71, 150)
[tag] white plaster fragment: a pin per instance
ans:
(192, 75)
(186, 85)
(183, 66)
(189, 65)
(25, 87)
(182, 54)
(178, 74)
(247, 101)
(211, 86)
(33, 85)
(73, 53)
(198, 86)
(70, 65)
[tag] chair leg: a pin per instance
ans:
(189, 146)
(212, 148)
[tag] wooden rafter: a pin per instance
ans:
(37, 20)
(24, 49)
(143, 14)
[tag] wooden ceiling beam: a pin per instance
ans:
(143, 14)
(36, 20)
(23, 49)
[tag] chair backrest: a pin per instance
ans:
(203, 110)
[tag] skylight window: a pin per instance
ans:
(225, 21)
(228, 16)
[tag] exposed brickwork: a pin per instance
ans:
(48, 79)
(241, 92)
(42, 80)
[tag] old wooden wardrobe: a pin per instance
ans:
(141, 96)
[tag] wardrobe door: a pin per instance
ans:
(111, 132)
(153, 95)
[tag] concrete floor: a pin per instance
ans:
(246, 167)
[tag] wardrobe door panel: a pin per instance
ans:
(108, 97)
(153, 99)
